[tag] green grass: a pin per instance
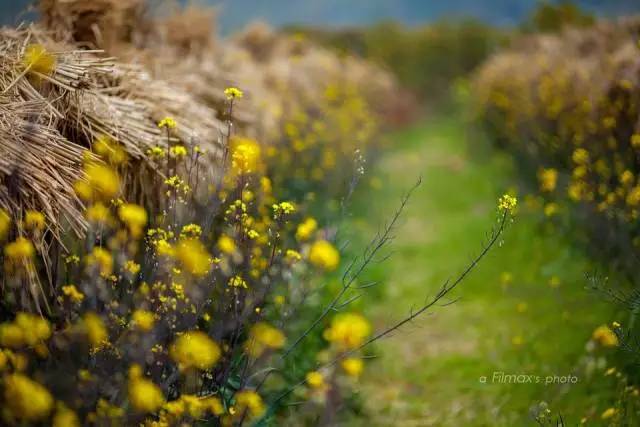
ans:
(429, 372)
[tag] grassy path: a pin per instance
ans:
(429, 373)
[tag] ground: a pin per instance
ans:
(430, 372)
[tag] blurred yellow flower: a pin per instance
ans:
(65, 417)
(245, 155)
(25, 399)
(194, 349)
(34, 220)
(143, 320)
(507, 203)
(98, 214)
(134, 216)
(100, 258)
(315, 380)
(37, 59)
(609, 413)
(324, 255)
(5, 223)
(226, 244)
(604, 336)
(109, 150)
(95, 329)
(20, 250)
(193, 257)
(353, 366)
(251, 402)
(262, 337)
(144, 395)
(548, 179)
(306, 229)
(348, 330)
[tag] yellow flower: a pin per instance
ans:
(100, 258)
(34, 220)
(293, 256)
(245, 155)
(315, 380)
(348, 330)
(20, 250)
(5, 223)
(263, 336)
(102, 183)
(168, 123)
(26, 329)
(95, 329)
(306, 229)
(550, 209)
(604, 336)
(73, 293)
(134, 216)
(548, 179)
(251, 402)
(283, 208)
(25, 399)
(65, 417)
(237, 282)
(233, 93)
(109, 150)
(193, 257)
(143, 320)
(178, 151)
(609, 413)
(353, 366)
(324, 255)
(226, 244)
(37, 59)
(507, 203)
(194, 350)
(580, 156)
(98, 213)
(191, 231)
(616, 325)
(132, 267)
(144, 395)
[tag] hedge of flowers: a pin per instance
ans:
(187, 308)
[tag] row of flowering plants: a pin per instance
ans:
(570, 115)
(567, 107)
(184, 309)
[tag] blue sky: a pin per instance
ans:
(236, 13)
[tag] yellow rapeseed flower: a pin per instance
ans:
(193, 257)
(5, 223)
(604, 336)
(102, 183)
(233, 93)
(134, 216)
(548, 179)
(348, 330)
(194, 349)
(74, 295)
(96, 330)
(609, 413)
(226, 244)
(352, 366)
(507, 203)
(144, 395)
(262, 337)
(25, 399)
(98, 214)
(65, 417)
(306, 229)
(37, 59)
(109, 150)
(20, 250)
(324, 255)
(315, 380)
(178, 151)
(34, 220)
(245, 155)
(251, 402)
(168, 123)
(143, 320)
(102, 259)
